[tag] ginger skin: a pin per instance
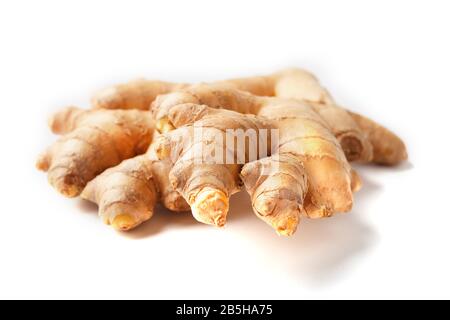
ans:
(307, 151)
(92, 141)
(127, 194)
(102, 153)
(204, 183)
(388, 148)
(361, 139)
(290, 83)
(137, 94)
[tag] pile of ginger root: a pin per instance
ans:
(134, 147)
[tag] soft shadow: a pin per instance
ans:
(368, 190)
(240, 208)
(404, 166)
(321, 250)
(164, 219)
(86, 206)
(161, 220)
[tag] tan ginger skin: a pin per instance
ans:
(278, 197)
(127, 193)
(205, 185)
(292, 83)
(309, 162)
(307, 175)
(92, 141)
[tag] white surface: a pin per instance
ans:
(386, 59)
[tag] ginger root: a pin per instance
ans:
(205, 178)
(127, 194)
(92, 141)
(137, 94)
(307, 151)
(361, 140)
(115, 159)
(290, 83)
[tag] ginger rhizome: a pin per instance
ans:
(203, 180)
(290, 84)
(127, 194)
(92, 141)
(137, 94)
(308, 163)
(111, 155)
(360, 138)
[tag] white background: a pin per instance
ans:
(386, 59)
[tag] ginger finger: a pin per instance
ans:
(126, 194)
(94, 140)
(303, 133)
(206, 166)
(388, 148)
(305, 144)
(66, 120)
(206, 187)
(277, 186)
(137, 94)
(305, 136)
(205, 94)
